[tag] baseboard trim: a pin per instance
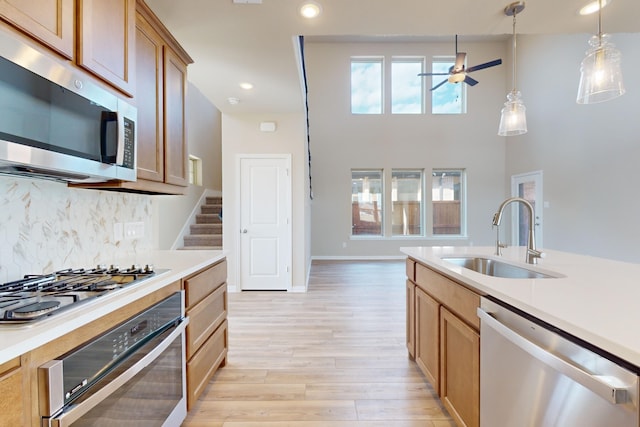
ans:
(357, 257)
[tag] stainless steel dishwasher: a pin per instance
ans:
(534, 375)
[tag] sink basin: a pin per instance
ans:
(495, 268)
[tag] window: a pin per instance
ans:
(366, 202)
(366, 85)
(195, 170)
(448, 98)
(447, 196)
(407, 87)
(406, 199)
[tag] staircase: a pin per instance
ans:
(206, 233)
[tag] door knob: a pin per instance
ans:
(244, 231)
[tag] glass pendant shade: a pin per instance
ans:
(513, 120)
(600, 74)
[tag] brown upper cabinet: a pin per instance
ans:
(51, 22)
(106, 41)
(104, 31)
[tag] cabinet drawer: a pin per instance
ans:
(204, 318)
(201, 284)
(460, 300)
(205, 362)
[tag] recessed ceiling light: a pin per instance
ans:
(310, 9)
(246, 85)
(592, 7)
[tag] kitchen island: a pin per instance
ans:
(595, 299)
(591, 299)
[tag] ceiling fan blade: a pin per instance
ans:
(459, 65)
(438, 85)
(433, 74)
(485, 65)
(471, 82)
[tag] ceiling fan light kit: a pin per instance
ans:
(458, 73)
(513, 120)
(600, 73)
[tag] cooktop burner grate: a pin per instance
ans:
(37, 296)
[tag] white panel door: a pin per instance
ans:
(265, 224)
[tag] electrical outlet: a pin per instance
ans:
(133, 230)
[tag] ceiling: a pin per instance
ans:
(233, 43)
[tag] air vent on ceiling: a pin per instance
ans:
(247, 1)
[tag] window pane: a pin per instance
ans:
(406, 198)
(406, 86)
(448, 98)
(366, 202)
(446, 196)
(366, 86)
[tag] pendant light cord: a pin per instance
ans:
(515, 49)
(599, 22)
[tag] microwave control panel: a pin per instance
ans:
(129, 144)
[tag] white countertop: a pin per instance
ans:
(20, 338)
(597, 300)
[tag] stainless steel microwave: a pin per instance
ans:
(55, 123)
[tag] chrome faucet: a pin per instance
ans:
(532, 253)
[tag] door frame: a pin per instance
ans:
(517, 179)
(238, 215)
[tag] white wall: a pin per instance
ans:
(341, 141)
(241, 135)
(589, 153)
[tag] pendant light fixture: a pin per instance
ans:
(600, 74)
(513, 120)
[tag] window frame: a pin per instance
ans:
(463, 203)
(408, 60)
(381, 206)
(363, 60)
(421, 200)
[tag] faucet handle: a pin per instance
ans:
(533, 255)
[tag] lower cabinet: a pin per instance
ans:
(460, 369)
(13, 387)
(207, 337)
(447, 341)
(411, 319)
(428, 337)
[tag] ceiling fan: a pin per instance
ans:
(458, 73)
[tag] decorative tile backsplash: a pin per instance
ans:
(46, 226)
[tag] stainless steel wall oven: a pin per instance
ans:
(131, 375)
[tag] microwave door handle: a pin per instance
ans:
(108, 152)
(67, 418)
(598, 384)
(120, 143)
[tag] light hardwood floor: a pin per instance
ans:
(333, 356)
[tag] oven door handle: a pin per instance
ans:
(607, 387)
(66, 418)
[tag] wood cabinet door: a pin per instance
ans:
(49, 21)
(175, 127)
(428, 337)
(149, 101)
(106, 41)
(12, 389)
(460, 369)
(411, 319)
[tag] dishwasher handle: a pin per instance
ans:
(609, 388)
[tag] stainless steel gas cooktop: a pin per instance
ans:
(39, 296)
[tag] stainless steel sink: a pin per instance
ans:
(495, 268)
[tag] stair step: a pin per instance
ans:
(208, 228)
(211, 209)
(213, 200)
(203, 240)
(208, 219)
(200, 248)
